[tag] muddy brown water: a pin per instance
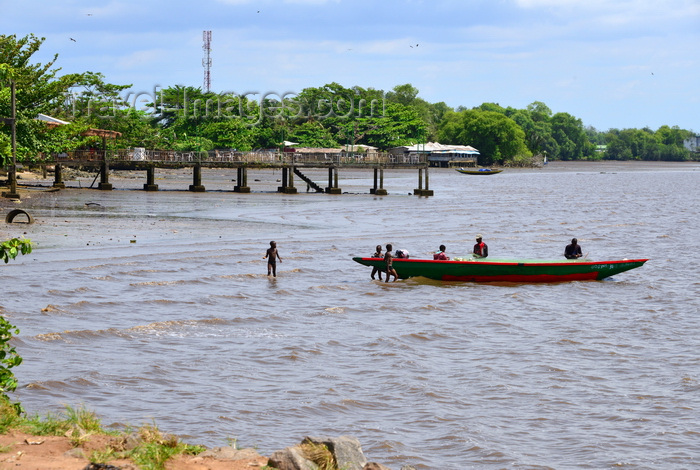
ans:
(156, 306)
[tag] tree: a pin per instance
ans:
(403, 94)
(313, 134)
(497, 137)
(569, 134)
(38, 90)
(645, 144)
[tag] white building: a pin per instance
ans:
(692, 144)
(441, 154)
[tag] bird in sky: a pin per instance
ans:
(72, 39)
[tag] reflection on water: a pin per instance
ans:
(183, 326)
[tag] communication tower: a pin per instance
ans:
(206, 61)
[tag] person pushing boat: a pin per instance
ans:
(376, 270)
(388, 258)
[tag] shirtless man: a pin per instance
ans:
(390, 271)
(272, 256)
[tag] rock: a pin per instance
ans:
(375, 466)
(230, 453)
(346, 450)
(290, 458)
(76, 453)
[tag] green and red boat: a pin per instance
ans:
(523, 271)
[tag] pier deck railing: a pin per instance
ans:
(260, 157)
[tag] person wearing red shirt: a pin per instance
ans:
(481, 249)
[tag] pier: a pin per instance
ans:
(291, 163)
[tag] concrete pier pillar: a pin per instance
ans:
(280, 189)
(196, 185)
(104, 185)
(150, 180)
(420, 191)
(287, 181)
(380, 191)
(333, 181)
(241, 180)
(58, 177)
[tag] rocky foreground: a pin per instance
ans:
(27, 452)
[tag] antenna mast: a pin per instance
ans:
(206, 61)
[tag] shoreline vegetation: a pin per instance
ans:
(56, 114)
(76, 440)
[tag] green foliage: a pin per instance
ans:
(644, 144)
(156, 448)
(38, 90)
(498, 137)
(8, 358)
(11, 248)
(8, 355)
(570, 136)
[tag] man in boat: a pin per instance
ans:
(440, 255)
(402, 253)
(573, 250)
(481, 249)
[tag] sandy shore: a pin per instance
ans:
(26, 452)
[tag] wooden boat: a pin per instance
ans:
(479, 270)
(480, 171)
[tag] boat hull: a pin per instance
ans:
(478, 172)
(522, 271)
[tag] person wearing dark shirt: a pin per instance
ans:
(481, 249)
(573, 251)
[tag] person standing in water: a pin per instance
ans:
(376, 270)
(388, 258)
(272, 256)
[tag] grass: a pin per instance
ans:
(146, 446)
(320, 455)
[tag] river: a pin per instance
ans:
(156, 306)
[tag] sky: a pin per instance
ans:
(611, 63)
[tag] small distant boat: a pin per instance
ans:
(524, 271)
(480, 171)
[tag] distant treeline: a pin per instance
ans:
(186, 118)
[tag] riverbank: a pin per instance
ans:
(75, 439)
(31, 452)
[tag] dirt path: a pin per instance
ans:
(26, 452)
